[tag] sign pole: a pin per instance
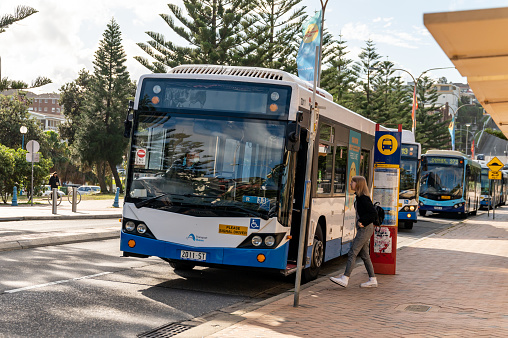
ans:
(32, 193)
(307, 195)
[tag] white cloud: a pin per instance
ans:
(363, 32)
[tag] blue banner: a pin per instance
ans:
(306, 57)
(451, 129)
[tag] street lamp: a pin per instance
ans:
(23, 131)
(413, 113)
(467, 133)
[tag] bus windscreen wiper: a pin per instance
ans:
(251, 212)
(145, 202)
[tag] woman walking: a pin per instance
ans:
(365, 216)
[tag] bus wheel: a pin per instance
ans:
(182, 266)
(318, 256)
(422, 212)
(408, 225)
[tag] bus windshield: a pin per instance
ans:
(408, 172)
(485, 182)
(206, 166)
(443, 179)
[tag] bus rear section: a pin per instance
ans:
(409, 184)
(450, 183)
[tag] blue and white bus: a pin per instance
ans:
(409, 180)
(216, 173)
(450, 182)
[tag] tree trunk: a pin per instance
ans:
(118, 181)
(100, 176)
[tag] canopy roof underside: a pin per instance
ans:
(476, 42)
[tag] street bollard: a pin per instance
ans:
(55, 200)
(115, 203)
(74, 198)
(15, 197)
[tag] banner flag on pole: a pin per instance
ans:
(451, 129)
(413, 111)
(306, 57)
(472, 149)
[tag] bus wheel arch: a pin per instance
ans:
(318, 253)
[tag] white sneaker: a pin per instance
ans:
(372, 283)
(342, 280)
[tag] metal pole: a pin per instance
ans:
(323, 8)
(54, 200)
(74, 198)
(494, 200)
(307, 193)
(32, 189)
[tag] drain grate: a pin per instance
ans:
(417, 308)
(165, 331)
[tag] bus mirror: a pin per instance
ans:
(293, 136)
(128, 121)
(468, 170)
(424, 164)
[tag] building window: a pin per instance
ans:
(35, 100)
(45, 100)
(52, 110)
(45, 108)
(57, 110)
(444, 88)
(53, 101)
(40, 108)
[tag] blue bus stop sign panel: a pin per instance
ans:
(387, 147)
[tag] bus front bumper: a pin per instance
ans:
(273, 258)
(407, 215)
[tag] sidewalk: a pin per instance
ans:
(16, 234)
(454, 283)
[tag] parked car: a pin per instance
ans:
(89, 189)
(47, 192)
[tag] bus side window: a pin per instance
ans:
(339, 179)
(324, 172)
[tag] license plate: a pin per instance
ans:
(438, 208)
(193, 255)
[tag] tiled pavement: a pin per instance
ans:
(459, 276)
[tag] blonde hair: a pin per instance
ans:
(361, 186)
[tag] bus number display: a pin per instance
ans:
(443, 160)
(409, 151)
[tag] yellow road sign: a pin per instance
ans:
(495, 164)
(495, 175)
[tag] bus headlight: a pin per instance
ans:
(130, 226)
(421, 203)
(257, 240)
(412, 208)
(141, 228)
(406, 208)
(269, 240)
(456, 206)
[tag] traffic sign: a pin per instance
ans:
(495, 164)
(495, 175)
(30, 156)
(32, 146)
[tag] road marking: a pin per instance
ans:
(57, 282)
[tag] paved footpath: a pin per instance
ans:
(454, 283)
(16, 234)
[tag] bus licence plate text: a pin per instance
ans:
(438, 208)
(193, 255)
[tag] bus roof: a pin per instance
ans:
(255, 72)
(445, 153)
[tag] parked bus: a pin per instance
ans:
(409, 180)
(216, 173)
(485, 198)
(450, 182)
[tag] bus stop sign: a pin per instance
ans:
(495, 164)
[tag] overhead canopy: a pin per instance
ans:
(476, 42)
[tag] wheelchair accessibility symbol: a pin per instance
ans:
(387, 144)
(255, 223)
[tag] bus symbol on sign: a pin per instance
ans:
(387, 144)
(495, 164)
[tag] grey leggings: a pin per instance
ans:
(360, 247)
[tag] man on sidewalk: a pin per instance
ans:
(54, 181)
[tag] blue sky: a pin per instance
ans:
(61, 39)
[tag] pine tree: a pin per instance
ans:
(391, 103)
(100, 137)
(21, 13)
(430, 131)
(214, 29)
(339, 79)
(369, 58)
(273, 41)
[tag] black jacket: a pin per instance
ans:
(366, 211)
(54, 182)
